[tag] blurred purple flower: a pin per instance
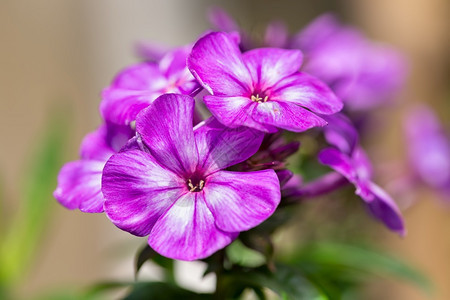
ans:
(79, 182)
(364, 74)
(350, 160)
(261, 88)
(178, 192)
(428, 148)
(276, 34)
(150, 51)
(139, 85)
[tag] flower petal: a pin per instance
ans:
(362, 164)
(316, 32)
(138, 191)
(95, 145)
(131, 91)
(166, 128)
(268, 65)
(339, 162)
(385, 209)
(307, 91)
(150, 51)
(216, 62)
(173, 66)
(221, 20)
(276, 35)
(220, 147)
(428, 147)
(341, 133)
(286, 115)
(187, 230)
(240, 201)
(235, 111)
(175, 60)
(79, 186)
(122, 106)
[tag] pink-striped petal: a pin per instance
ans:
(187, 230)
(138, 191)
(307, 91)
(95, 145)
(166, 128)
(235, 111)
(216, 62)
(132, 90)
(268, 65)
(240, 201)
(286, 115)
(79, 186)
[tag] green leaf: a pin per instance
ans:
(351, 262)
(287, 281)
(95, 291)
(244, 256)
(259, 242)
(146, 254)
(20, 241)
(163, 291)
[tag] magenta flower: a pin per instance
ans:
(137, 86)
(428, 148)
(177, 191)
(362, 73)
(261, 88)
(350, 160)
(79, 182)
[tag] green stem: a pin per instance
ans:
(220, 293)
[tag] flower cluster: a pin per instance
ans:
(160, 167)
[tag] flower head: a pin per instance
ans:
(364, 74)
(350, 160)
(261, 88)
(79, 182)
(139, 85)
(428, 148)
(275, 35)
(177, 190)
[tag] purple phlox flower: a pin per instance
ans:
(79, 182)
(428, 148)
(296, 190)
(276, 33)
(222, 21)
(364, 74)
(261, 88)
(139, 85)
(349, 159)
(151, 51)
(178, 192)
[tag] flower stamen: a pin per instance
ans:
(258, 99)
(196, 188)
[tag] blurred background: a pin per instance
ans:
(57, 55)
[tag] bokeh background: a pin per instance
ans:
(57, 55)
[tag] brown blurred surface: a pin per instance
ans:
(62, 53)
(421, 30)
